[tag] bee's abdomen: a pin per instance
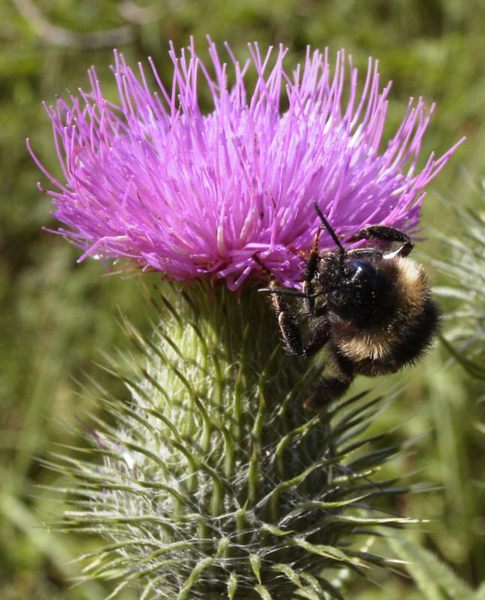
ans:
(390, 349)
(419, 334)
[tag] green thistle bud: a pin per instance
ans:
(215, 483)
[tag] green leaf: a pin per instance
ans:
(433, 577)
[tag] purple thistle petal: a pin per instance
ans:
(155, 180)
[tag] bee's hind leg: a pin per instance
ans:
(331, 387)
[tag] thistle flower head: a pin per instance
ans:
(196, 193)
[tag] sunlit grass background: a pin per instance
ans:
(57, 316)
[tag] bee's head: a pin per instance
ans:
(356, 289)
(359, 292)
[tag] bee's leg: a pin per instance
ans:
(288, 325)
(332, 387)
(328, 389)
(386, 234)
(287, 322)
(310, 272)
(319, 335)
(368, 253)
(320, 327)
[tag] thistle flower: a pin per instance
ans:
(157, 180)
(214, 482)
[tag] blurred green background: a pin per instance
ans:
(57, 316)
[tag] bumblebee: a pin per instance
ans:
(372, 309)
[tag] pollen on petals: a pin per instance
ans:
(195, 193)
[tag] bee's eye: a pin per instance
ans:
(362, 273)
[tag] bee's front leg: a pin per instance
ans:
(287, 322)
(386, 234)
(289, 326)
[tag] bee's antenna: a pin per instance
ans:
(330, 229)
